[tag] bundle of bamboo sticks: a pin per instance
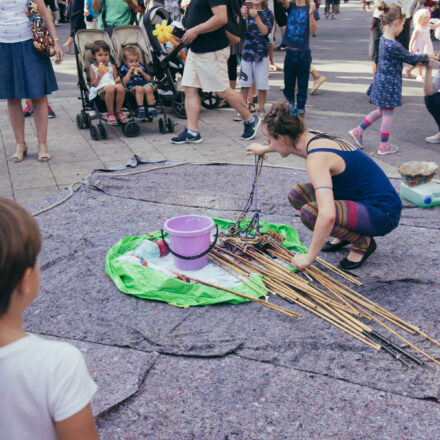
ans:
(321, 294)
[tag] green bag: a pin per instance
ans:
(148, 283)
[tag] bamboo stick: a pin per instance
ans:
(250, 298)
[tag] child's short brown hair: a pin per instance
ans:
(130, 50)
(100, 44)
(20, 244)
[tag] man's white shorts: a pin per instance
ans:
(257, 71)
(207, 71)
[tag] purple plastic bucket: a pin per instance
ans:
(190, 235)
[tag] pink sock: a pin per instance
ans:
(385, 128)
(369, 119)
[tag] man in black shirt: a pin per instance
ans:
(206, 67)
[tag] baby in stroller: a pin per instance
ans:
(136, 78)
(104, 80)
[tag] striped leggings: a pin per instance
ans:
(352, 221)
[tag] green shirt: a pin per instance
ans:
(117, 13)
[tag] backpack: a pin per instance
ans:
(235, 29)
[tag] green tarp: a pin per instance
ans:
(146, 282)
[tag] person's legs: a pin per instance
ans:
(16, 117)
(301, 194)
(432, 103)
(235, 100)
(303, 72)
(120, 96)
(41, 118)
(261, 100)
(318, 79)
(290, 73)
(139, 93)
(149, 95)
(348, 215)
(385, 130)
(244, 91)
(110, 99)
(356, 133)
(192, 106)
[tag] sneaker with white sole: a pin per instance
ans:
(357, 138)
(433, 139)
(391, 149)
(250, 128)
(186, 137)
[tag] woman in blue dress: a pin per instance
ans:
(24, 73)
(386, 89)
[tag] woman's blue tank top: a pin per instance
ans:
(364, 181)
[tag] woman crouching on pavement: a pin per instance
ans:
(349, 197)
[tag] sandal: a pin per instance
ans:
(20, 153)
(43, 153)
(122, 118)
(111, 119)
(251, 107)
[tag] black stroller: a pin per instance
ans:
(167, 68)
(84, 40)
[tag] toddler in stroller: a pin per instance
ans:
(135, 77)
(101, 88)
(104, 80)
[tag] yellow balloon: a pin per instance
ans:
(163, 32)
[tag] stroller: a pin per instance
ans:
(124, 36)
(84, 40)
(167, 68)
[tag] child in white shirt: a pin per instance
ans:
(44, 385)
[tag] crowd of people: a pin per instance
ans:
(348, 198)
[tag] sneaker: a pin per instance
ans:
(357, 138)
(250, 128)
(141, 115)
(51, 113)
(433, 139)
(391, 149)
(317, 84)
(185, 137)
(281, 47)
(28, 111)
(153, 113)
(237, 117)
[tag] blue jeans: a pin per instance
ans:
(432, 103)
(297, 68)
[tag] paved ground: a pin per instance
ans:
(229, 372)
(340, 52)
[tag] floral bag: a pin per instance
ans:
(43, 41)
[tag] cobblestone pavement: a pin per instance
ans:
(340, 52)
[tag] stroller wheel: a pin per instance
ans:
(83, 120)
(131, 129)
(94, 132)
(209, 100)
(102, 131)
(170, 125)
(162, 127)
(178, 105)
(80, 121)
(87, 120)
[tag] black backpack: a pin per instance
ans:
(236, 26)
